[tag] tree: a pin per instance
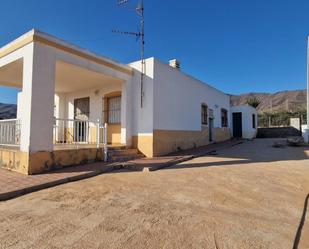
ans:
(254, 102)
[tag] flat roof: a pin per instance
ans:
(49, 40)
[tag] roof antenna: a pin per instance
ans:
(139, 35)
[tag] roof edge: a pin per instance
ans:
(35, 35)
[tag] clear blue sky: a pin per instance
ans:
(237, 46)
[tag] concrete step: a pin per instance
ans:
(124, 152)
(123, 155)
(118, 147)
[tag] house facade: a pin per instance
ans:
(73, 103)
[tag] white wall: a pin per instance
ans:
(142, 117)
(247, 127)
(178, 98)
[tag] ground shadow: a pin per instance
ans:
(301, 224)
(256, 151)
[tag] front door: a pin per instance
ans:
(81, 115)
(237, 124)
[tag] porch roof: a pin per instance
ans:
(38, 36)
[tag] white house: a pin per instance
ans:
(68, 93)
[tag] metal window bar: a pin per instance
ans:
(113, 114)
(10, 132)
(204, 114)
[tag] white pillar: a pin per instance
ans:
(37, 110)
(308, 83)
(126, 113)
(306, 130)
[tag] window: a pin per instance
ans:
(253, 121)
(224, 120)
(112, 113)
(204, 114)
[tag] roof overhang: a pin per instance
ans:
(37, 36)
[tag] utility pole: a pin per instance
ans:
(140, 35)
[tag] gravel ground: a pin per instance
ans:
(248, 196)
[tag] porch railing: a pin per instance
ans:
(10, 132)
(79, 132)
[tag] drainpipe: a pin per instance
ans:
(98, 134)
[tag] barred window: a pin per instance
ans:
(224, 119)
(204, 114)
(113, 111)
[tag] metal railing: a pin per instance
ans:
(79, 132)
(10, 132)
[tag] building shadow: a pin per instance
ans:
(301, 224)
(256, 151)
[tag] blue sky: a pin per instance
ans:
(237, 46)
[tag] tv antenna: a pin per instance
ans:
(139, 35)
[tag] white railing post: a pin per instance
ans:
(98, 133)
(105, 143)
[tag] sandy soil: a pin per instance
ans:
(247, 196)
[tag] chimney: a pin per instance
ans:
(175, 64)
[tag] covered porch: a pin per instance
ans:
(71, 104)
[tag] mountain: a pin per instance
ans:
(8, 111)
(284, 100)
(279, 101)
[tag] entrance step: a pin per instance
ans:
(123, 155)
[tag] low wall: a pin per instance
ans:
(45, 161)
(277, 132)
(14, 160)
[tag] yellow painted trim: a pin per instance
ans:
(167, 141)
(17, 45)
(114, 133)
(144, 144)
(14, 160)
(36, 38)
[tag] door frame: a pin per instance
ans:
(237, 124)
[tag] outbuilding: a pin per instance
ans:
(244, 121)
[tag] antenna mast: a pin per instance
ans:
(139, 35)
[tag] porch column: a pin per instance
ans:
(306, 130)
(126, 113)
(37, 100)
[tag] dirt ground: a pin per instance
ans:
(248, 196)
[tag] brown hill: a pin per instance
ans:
(7, 111)
(280, 101)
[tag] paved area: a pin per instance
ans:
(13, 184)
(246, 196)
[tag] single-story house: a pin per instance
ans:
(73, 102)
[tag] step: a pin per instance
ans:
(125, 152)
(118, 155)
(125, 158)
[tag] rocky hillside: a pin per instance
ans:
(7, 111)
(285, 100)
